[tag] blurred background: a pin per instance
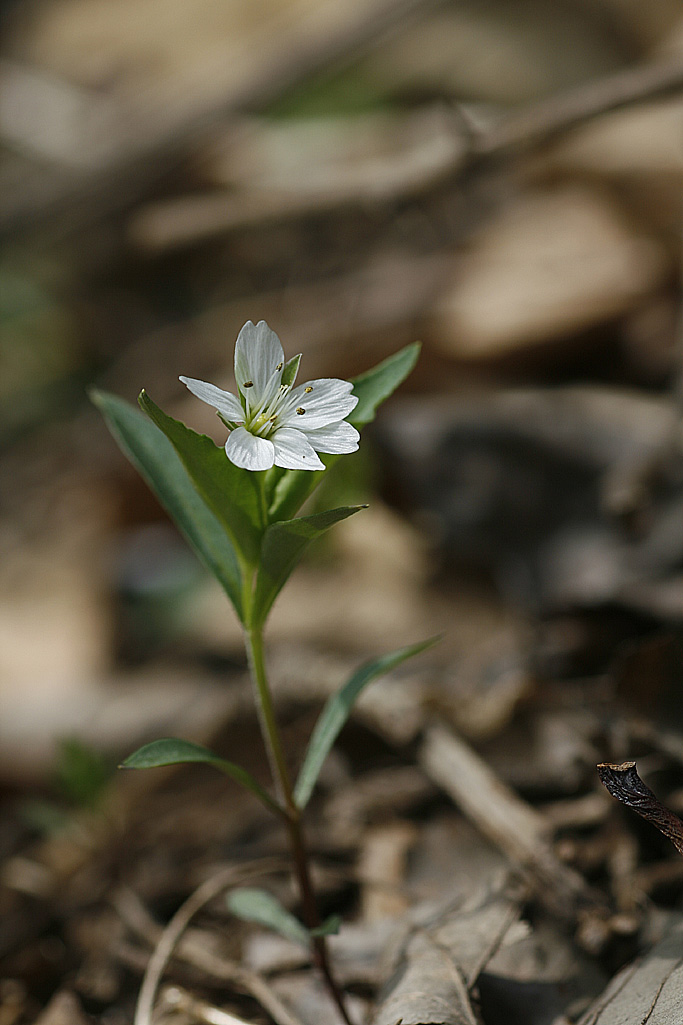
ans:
(502, 182)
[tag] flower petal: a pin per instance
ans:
(293, 452)
(223, 401)
(323, 402)
(258, 353)
(249, 452)
(337, 438)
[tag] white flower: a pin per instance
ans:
(272, 423)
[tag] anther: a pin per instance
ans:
(248, 384)
(308, 390)
(279, 366)
(301, 410)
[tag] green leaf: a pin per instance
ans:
(291, 489)
(253, 905)
(330, 927)
(376, 385)
(173, 751)
(232, 494)
(336, 712)
(156, 460)
(283, 545)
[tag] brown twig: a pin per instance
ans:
(538, 122)
(159, 139)
(624, 783)
(167, 940)
(188, 219)
(506, 819)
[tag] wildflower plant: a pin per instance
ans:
(237, 507)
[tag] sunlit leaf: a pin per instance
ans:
(155, 458)
(336, 712)
(232, 494)
(283, 545)
(376, 385)
(290, 489)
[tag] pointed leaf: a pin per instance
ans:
(291, 369)
(291, 489)
(231, 493)
(254, 905)
(336, 712)
(330, 927)
(174, 751)
(283, 545)
(157, 461)
(376, 385)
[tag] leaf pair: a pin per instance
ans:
(172, 751)
(238, 521)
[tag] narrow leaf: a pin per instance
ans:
(330, 927)
(156, 460)
(173, 751)
(289, 490)
(283, 545)
(230, 492)
(375, 386)
(336, 712)
(253, 905)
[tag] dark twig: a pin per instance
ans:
(624, 783)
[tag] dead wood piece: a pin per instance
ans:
(439, 965)
(507, 820)
(431, 989)
(541, 121)
(624, 783)
(382, 870)
(175, 998)
(63, 1009)
(647, 991)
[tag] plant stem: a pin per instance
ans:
(269, 727)
(280, 772)
(310, 913)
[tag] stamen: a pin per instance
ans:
(308, 390)
(248, 384)
(279, 366)
(301, 410)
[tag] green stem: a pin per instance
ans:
(310, 913)
(269, 728)
(280, 772)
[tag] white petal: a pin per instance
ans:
(251, 453)
(223, 401)
(268, 398)
(258, 353)
(293, 452)
(337, 438)
(327, 401)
